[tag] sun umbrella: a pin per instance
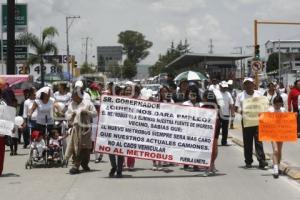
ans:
(190, 76)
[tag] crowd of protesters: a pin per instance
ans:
(79, 105)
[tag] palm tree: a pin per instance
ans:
(42, 46)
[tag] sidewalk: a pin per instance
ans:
(290, 155)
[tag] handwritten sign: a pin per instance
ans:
(251, 109)
(7, 119)
(278, 127)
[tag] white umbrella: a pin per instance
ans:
(190, 76)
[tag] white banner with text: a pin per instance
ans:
(156, 131)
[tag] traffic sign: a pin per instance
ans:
(20, 17)
(256, 65)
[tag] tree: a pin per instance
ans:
(135, 47)
(42, 46)
(273, 61)
(129, 69)
(86, 69)
(114, 70)
(171, 54)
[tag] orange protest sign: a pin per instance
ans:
(279, 127)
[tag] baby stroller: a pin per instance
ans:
(56, 147)
(38, 150)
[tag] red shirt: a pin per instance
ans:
(293, 99)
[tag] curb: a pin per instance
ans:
(292, 172)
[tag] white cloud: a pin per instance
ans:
(201, 30)
(180, 6)
(246, 31)
(168, 32)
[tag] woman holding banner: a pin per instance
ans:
(165, 96)
(130, 92)
(277, 146)
(194, 100)
(210, 101)
(116, 161)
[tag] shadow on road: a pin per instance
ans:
(169, 176)
(9, 175)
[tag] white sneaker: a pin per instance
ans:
(154, 168)
(206, 173)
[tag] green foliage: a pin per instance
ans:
(171, 54)
(86, 69)
(129, 69)
(135, 46)
(114, 71)
(273, 61)
(41, 46)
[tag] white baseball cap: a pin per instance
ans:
(79, 84)
(223, 84)
(248, 79)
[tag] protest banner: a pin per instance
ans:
(7, 119)
(251, 109)
(278, 127)
(156, 131)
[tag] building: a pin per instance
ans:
(108, 56)
(290, 59)
(217, 66)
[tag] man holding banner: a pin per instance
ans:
(250, 103)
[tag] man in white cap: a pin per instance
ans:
(225, 111)
(79, 84)
(250, 133)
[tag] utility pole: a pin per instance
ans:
(86, 48)
(10, 65)
(211, 46)
(68, 26)
(241, 62)
(279, 61)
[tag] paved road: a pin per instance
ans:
(231, 183)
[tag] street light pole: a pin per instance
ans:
(67, 39)
(279, 61)
(10, 65)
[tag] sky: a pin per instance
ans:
(229, 23)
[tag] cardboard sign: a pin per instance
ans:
(251, 109)
(7, 119)
(279, 127)
(156, 131)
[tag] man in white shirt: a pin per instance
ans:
(225, 111)
(250, 133)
